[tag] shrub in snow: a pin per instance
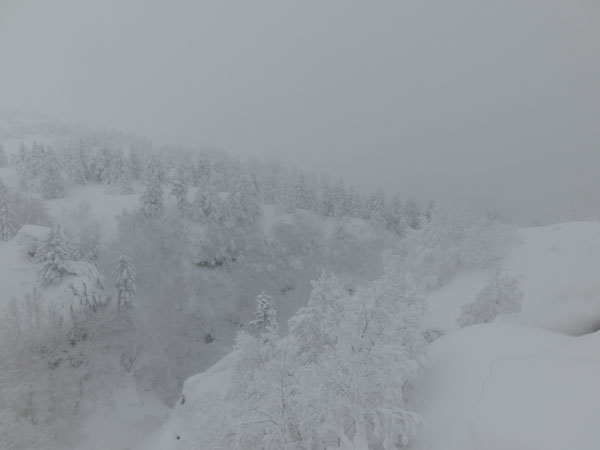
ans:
(501, 295)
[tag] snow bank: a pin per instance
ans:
(500, 386)
(561, 282)
(181, 429)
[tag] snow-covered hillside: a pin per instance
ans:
(220, 232)
(127, 269)
(559, 269)
(524, 383)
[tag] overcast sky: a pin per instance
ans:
(491, 103)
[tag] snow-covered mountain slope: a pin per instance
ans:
(524, 383)
(558, 266)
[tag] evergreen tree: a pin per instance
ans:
(325, 207)
(118, 172)
(412, 215)
(265, 316)
(152, 198)
(125, 283)
(397, 221)
(355, 205)
(30, 164)
(269, 184)
(340, 200)
(202, 171)
(179, 190)
(8, 217)
(103, 164)
(52, 184)
(74, 165)
(134, 163)
(244, 201)
(377, 209)
(303, 196)
(53, 254)
(207, 205)
(3, 157)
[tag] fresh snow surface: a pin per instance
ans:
(177, 433)
(560, 268)
(502, 386)
(131, 419)
(19, 275)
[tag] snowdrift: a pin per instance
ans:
(501, 386)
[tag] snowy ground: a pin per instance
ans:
(19, 275)
(522, 383)
(133, 417)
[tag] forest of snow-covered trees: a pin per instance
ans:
(161, 293)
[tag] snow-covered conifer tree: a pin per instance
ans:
(125, 283)
(152, 198)
(325, 207)
(377, 209)
(134, 163)
(354, 203)
(412, 214)
(397, 221)
(205, 203)
(244, 201)
(51, 183)
(8, 217)
(179, 190)
(265, 316)
(52, 254)
(304, 198)
(74, 165)
(340, 200)
(3, 157)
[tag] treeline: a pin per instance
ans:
(126, 164)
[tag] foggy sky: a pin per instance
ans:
(491, 103)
